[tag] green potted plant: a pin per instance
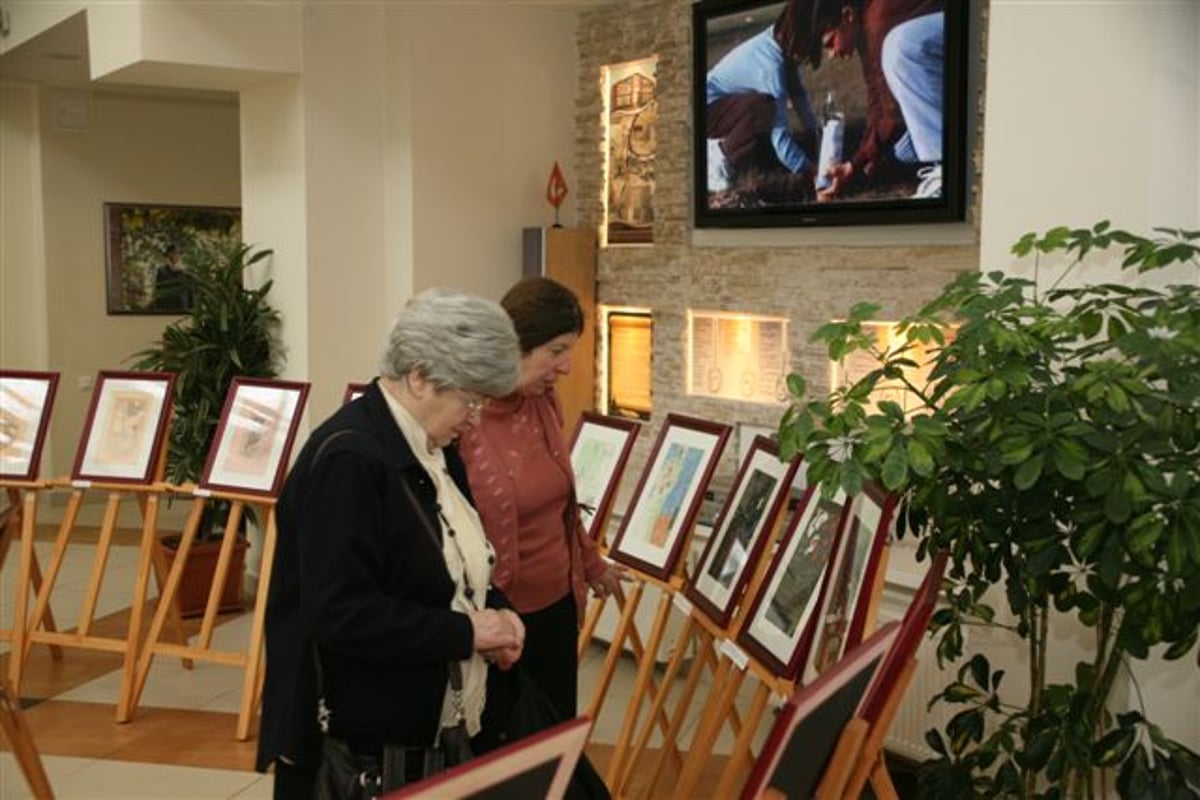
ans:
(1055, 455)
(229, 331)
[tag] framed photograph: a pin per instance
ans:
(353, 392)
(536, 766)
(774, 112)
(806, 731)
(669, 495)
(255, 435)
(125, 425)
(26, 399)
(742, 531)
(148, 250)
(844, 597)
(778, 627)
(599, 452)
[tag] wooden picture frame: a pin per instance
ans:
(537, 766)
(258, 425)
(353, 392)
(779, 625)
(669, 495)
(126, 422)
(26, 400)
(742, 531)
(806, 731)
(845, 593)
(600, 449)
(149, 249)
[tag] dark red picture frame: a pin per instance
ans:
(630, 428)
(40, 426)
(159, 426)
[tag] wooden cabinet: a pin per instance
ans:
(568, 255)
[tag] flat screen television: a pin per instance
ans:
(761, 123)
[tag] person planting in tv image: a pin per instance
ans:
(761, 127)
(520, 472)
(901, 48)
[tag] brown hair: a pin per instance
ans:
(542, 309)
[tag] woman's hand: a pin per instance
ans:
(508, 630)
(609, 581)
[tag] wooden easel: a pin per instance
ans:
(248, 659)
(20, 525)
(21, 741)
(149, 556)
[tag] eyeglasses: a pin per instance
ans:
(473, 403)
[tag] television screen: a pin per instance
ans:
(829, 112)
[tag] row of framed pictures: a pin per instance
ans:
(810, 603)
(127, 422)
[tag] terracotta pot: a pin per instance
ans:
(198, 576)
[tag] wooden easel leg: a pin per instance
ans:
(174, 617)
(23, 517)
(608, 669)
(641, 685)
(220, 574)
(739, 757)
(837, 772)
(99, 562)
(23, 747)
(138, 609)
(252, 680)
(709, 728)
(881, 782)
(590, 621)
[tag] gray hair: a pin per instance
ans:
(454, 340)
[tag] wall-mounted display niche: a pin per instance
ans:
(626, 356)
(856, 365)
(737, 356)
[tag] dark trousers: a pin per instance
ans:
(293, 782)
(550, 655)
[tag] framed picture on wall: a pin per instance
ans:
(766, 139)
(599, 452)
(778, 627)
(125, 426)
(254, 436)
(26, 399)
(149, 250)
(845, 596)
(669, 495)
(742, 532)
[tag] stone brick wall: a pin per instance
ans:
(807, 284)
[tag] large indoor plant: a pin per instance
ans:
(1055, 454)
(230, 331)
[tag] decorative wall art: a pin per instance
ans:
(779, 625)
(599, 452)
(150, 248)
(26, 399)
(535, 766)
(626, 345)
(844, 597)
(254, 437)
(669, 495)
(631, 108)
(742, 531)
(763, 146)
(802, 741)
(125, 426)
(737, 356)
(856, 365)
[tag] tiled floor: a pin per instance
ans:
(181, 742)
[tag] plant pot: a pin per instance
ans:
(198, 574)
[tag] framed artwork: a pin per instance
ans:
(599, 452)
(125, 425)
(254, 437)
(779, 624)
(353, 392)
(26, 399)
(631, 132)
(910, 157)
(806, 731)
(669, 495)
(844, 597)
(149, 250)
(535, 766)
(742, 531)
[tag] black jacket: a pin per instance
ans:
(358, 571)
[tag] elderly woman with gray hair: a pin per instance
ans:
(382, 573)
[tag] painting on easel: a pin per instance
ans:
(742, 530)
(255, 435)
(599, 451)
(26, 399)
(125, 426)
(779, 625)
(669, 495)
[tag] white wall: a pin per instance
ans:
(1093, 112)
